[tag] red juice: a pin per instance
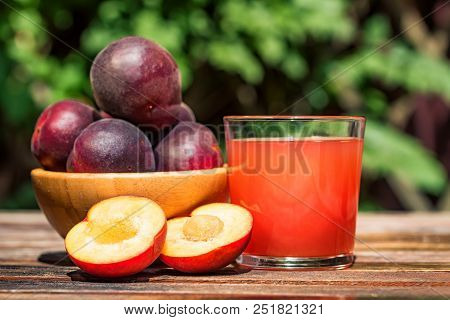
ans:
(303, 193)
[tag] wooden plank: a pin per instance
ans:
(400, 256)
(229, 291)
(236, 275)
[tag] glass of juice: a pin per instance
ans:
(299, 176)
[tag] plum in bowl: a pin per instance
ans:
(136, 84)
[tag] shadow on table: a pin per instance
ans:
(157, 270)
(56, 258)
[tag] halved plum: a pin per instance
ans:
(120, 236)
(210, 239)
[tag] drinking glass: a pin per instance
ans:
(299, 176)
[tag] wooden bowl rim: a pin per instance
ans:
(42, 173)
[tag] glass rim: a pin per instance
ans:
(300, 118)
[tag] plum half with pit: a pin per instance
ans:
(189, 146)
(111, 145)
(56, 130)
(212, 237)
(132, 77)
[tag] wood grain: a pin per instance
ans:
(398, 256)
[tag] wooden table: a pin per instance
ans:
(399, 256)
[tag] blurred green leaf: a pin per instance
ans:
(388, 151)
(376, 102)
(397, 66)
(149, 24)
(294, 66)
(234, 56)
(376, 30)
(271, 49)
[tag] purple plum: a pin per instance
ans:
(56, 130)
(132, 77)
(111, 145)
(162, 118)
(189, 146)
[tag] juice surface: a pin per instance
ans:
(303, 193)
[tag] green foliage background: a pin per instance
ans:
(239, 57)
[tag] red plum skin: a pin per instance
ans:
(56, 130)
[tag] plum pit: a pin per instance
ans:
(202, 228)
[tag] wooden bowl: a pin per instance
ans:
(65, 197)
